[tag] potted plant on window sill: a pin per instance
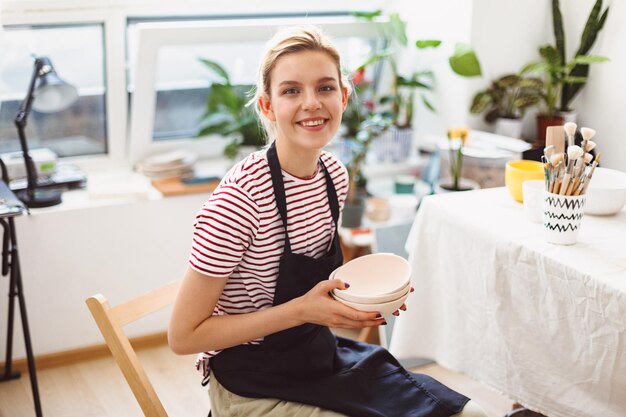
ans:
(506, 101)
(228, 114)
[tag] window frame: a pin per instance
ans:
(114, 18)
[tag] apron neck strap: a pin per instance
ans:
(281, 198)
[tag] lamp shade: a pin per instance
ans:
(52, 94)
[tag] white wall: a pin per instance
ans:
(120, 250)
(507, 35)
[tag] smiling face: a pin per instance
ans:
(306, 100)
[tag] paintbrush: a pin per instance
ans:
(587, 134)
(570, 131)
(573, 153)
(588, 179)
(546, 172)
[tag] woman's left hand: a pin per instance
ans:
(403, 306)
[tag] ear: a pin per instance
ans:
(344, 98)
(266, 108)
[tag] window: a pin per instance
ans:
(169, 98)
(77, 54)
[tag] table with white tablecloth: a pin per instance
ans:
(543, 324)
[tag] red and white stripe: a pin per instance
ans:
(239, 234)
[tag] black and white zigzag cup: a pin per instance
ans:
(562, 216)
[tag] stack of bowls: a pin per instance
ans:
(379, 282)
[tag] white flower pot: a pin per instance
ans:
(509, 127)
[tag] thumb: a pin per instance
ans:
(331, 284)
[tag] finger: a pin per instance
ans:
(396, 313)
(403, 307)
(412, 289)
(331, 284)
(355, 315)
(350, 324)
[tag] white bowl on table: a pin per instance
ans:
(606, 194)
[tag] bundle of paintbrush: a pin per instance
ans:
(569, 173)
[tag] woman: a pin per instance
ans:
(255, 295)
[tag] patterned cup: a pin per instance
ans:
(562, 215)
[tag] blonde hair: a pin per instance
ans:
(289, 41)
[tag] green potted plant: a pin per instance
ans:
(563, 79)
(400, 98)
(595, 23)
(228, 114)
(506, 100)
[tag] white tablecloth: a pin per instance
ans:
(541, 323)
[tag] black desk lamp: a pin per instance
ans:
(52, 94)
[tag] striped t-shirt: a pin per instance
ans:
(239, 233)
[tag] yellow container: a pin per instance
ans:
(516, 172)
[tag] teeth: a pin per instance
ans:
(313, 123)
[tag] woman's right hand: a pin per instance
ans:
(318, 307)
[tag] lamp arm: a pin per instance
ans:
(20, 123)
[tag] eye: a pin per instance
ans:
(327, 88)
(290, 91)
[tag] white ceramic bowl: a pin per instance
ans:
(384, 309)
(606, 194)
(374, 275)
(384, 298)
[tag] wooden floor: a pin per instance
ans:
(96, 388)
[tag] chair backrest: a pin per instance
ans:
(111, 320)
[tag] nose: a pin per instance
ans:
(311, 101)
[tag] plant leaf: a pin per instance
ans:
(535, 67)
(589, 59)
(464, 61)
(480, 102)
(413, 83)
(531, 83)
(375, 58)
(526, 100)
(398, 29)
(217, 69)
(574, 80)
(492, 115)
(423, 44)
(508, 80)
(590, 31)
(557, 24)
(224, 96)
(428, 104)
(370, 16)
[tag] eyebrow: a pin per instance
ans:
(321, 80)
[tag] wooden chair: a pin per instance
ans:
(111, 320)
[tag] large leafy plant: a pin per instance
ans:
(404, 86)
(563, 79)
(580, 71)
(508, 97)
(228, 114)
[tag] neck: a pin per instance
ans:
(301, 163)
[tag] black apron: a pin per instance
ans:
(308, 364)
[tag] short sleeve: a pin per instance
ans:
(224, 229)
